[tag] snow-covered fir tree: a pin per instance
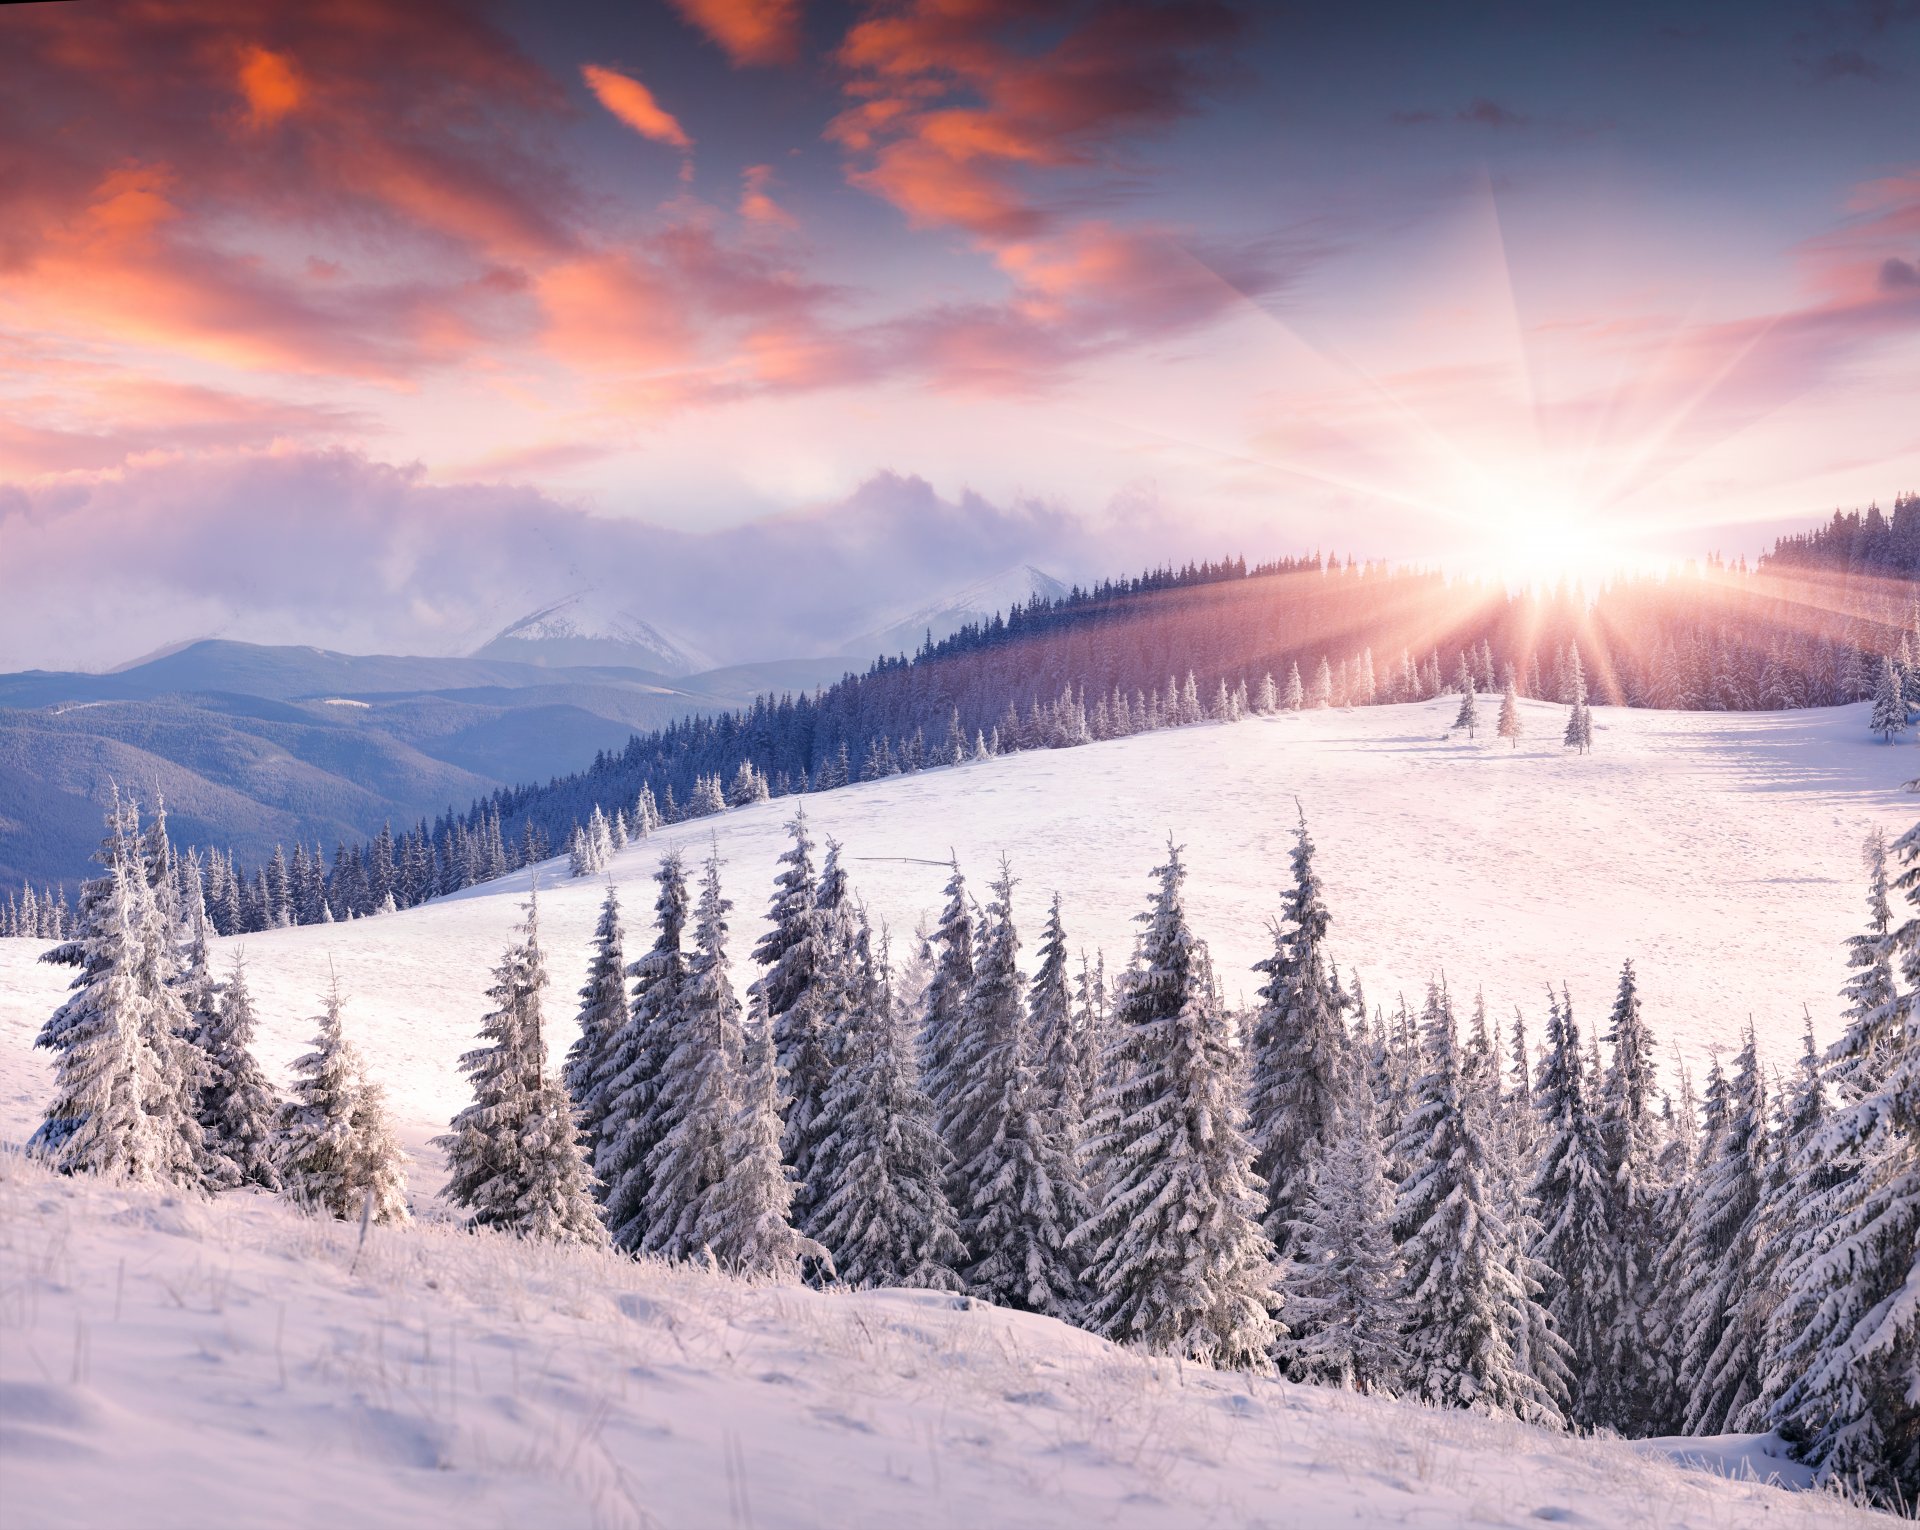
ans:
(514, 1159)
(1300, 1058)
(1468, 716)
(1633, 1137)
(1847, 1355)
(1059, 1034)
(628, 1098)
(591, 1060)
(1510, 726)
(748, 1223)
(1296, 695)
(1472, 1321)
(883, 1211)
(1790, 1217)
(599, 840)
(1889, 715)
(1019, 1197)
(1343, 1305)
(699, 1087)
(238, 1107)
(125, 1072)
(1572, 1205)
(1717, 1368)
(793, 994)
(335, 1143)
(1175, 1254)
(943, 1007)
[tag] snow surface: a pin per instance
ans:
(224, 1365)
(167, 1361)
(1719, 850)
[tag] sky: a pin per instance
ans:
(375, 325)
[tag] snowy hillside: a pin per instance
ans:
(978, 602)
(176, 1362)
(594, 626)
(1718, 850)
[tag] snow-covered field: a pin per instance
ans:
(1719, 850)
(176, 1362)
(170, 1361)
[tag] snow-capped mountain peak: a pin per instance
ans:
(594, 626)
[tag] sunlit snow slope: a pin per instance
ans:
(169, 1363)
(1720, 851)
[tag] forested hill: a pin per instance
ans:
(1813, 624)
(1859, 542)
(1174, 644)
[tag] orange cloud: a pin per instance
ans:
(750, 31)
(756, 206)
(952, 105)
(634, 105)
(271, 84)
(614, 312)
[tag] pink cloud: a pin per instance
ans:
(749, 31)
(756, 205)
(634, 105)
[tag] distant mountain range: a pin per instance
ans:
(253, 745)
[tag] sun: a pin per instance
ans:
(1547, 549)
(1526, 531)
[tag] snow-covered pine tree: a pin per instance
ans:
(514, 1158)
(943, 1008)
(748, 1224)
(984, 1056)
(599, 840)
(1090, 1017)
(1018, 1184)
(1572, 1205)
(630, 1123)
(1510, 726)
(590, 1066)
(123, 1074)
(1267, 697)
(1579, 733)
(789, 990)
(1849, 1366)
(1300, 1059)
(1296, 697)
(699, 1089)
(1718, 1355)
(1323, 685)
(1058, 1039)
(1889, 716)
(238, 1107)
(1632, 1135)
(335, 1144)
(1792, 1211)
(1176, 1259)
(1471, 1317)
(1343, 1306)
(883, 1211)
